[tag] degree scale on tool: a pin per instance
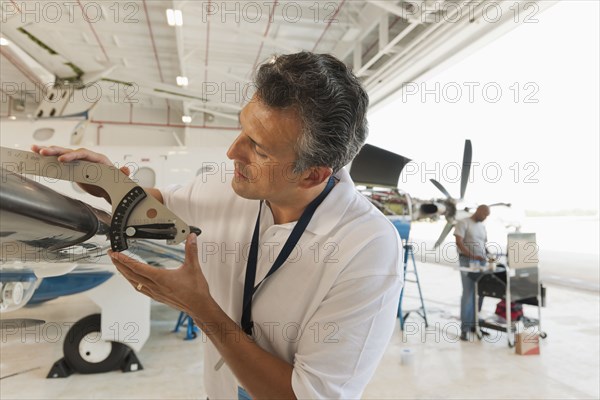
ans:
(135, 214)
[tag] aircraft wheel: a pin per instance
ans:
(87, 353)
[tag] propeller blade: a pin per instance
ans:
(444, 233)
(466, 168)
(499, 204)
(441, 188)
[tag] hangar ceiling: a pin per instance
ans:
(129, 48)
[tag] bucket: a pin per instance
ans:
(407, 357)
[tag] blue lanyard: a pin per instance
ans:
(249, 288)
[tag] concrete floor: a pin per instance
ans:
(441, 367)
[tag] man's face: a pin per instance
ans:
(264, 153)
(481, 214)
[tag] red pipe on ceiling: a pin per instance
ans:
(265, 35)
(162, 79)
(207, 44)
(221, 128)
(153, 42)
(17, 6)
(93, 30)
(329, 24)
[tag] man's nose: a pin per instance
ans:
(234, 150)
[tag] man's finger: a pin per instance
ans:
(145, 286)
(134, 280)
(36, 149)
(138, 282)
(126, 271)
(135, 267)
(191, 251)
(82, 154)
(67, 155)
(49, 151)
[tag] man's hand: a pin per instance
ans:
(184, 288)
(465, 251)
(67, 155)
(261, 373)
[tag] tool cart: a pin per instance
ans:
(517, 281)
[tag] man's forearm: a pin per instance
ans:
(261, 374)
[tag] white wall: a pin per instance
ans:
(8, 106)
(117, 125)
(170, 164)
(156, 123)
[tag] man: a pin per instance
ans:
(318, 326)
(471, 237)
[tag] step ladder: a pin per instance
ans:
(408, 252)
(192, 329)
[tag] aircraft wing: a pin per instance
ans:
(43, 234)
(40, 227)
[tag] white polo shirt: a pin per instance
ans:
(329, 310)
(474, 235)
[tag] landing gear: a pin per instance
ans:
(85, 352)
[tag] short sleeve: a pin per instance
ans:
(178, 199)
(460, 229)
(167, 193)
(347, 336)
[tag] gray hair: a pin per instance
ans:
(329, 99)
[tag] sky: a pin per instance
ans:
(536, 147)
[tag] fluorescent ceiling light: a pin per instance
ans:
(182, 80)
(3, 42)
(174, 17)
(178, 18)
(186, 119)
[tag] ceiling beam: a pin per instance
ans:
(387, 48)
(392, 8)
(370, 17)
(232, 117)
(384, 32)
(279, 44)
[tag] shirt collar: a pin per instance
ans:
(330, 211)
(333, 208)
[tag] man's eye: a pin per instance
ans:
(260, 154)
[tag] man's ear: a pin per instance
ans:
(314, 176)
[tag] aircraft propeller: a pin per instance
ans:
(451, 202)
